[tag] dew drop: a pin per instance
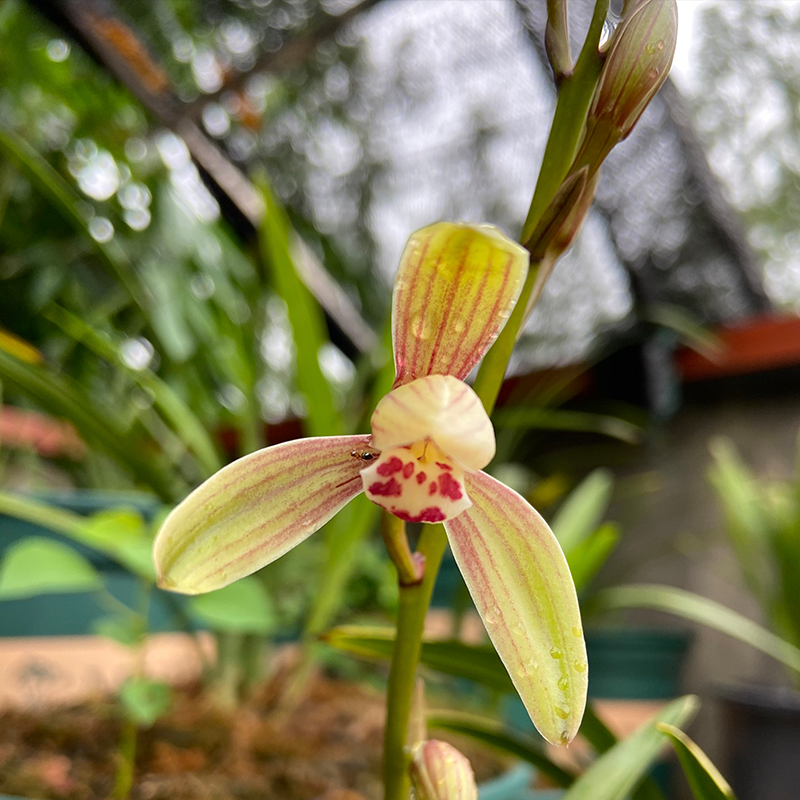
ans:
(577, 632)
(563, 684)
(520, 626)
(493, 616)
(562, 712)
(580, 666)
(660, 44)
(564, 738)
(653, 74)
(556, 653)
(650, 47)
(533, 664)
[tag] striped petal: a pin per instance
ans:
(255, 510)
(441, 409)
(521, 585)
(455, 289)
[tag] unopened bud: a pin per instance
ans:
(440, 772)
(637, 64)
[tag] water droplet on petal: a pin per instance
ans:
(564, 738)
(493, 616)
(577, 632)
(563, 684)
(562, 712)
(580, 666)
(556, 653)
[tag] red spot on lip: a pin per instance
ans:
(408, 469)
(430, 514)
(394, 464)
(421, 477)
(447, 467)
(389, 489)
(432, 488)
(449, 487)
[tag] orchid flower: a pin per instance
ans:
(431, 437)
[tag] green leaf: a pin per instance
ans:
(129, 630)
(120, 534)
(242, 607)
(589, 556)
(36, 565)
(174, 410)
(477, 663)
(495, 734)
(704, 778)
(99, 424)
(145, 700)
(305, 317)
(747, 524)
(550, 419)
(620, 769)
(696, 608)
(68, 204)
(583, 510)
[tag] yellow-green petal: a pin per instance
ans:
(255, 510)
(519, 579)
(456, 287)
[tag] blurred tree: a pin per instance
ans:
(745, 99)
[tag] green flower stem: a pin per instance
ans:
(574, 97)
(414, 601)
(575, 94)
(409, 567)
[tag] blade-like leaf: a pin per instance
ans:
(255, 510)
(495, 734)
(99, 424)
(700, 609)
(68, 204)
(559, 419)
(242, 607)
(36, 565)
(520, 583)
(589, 556)
(704, 778)
(455, 288)
(120, 533)
(305, 317)
(583, 510)
(165, 399)
(620, 769)
(747, 525)
(477, 663)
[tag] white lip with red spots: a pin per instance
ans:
(418, 483)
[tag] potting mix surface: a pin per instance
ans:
(327, 748)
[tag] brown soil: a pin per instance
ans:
(329, 748)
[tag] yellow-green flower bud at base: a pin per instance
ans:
(440, 772)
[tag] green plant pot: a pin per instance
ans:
(636, 663)
(73, 614)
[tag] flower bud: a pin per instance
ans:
(440, 772)
(637, 64)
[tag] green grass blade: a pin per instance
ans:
(185, 423)
(550, 419)
(67, 203)
(493, 733)
(704, 778)
(98, 424)
(620, 769)
(305, 317)
(582, 511)
(700, 609)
